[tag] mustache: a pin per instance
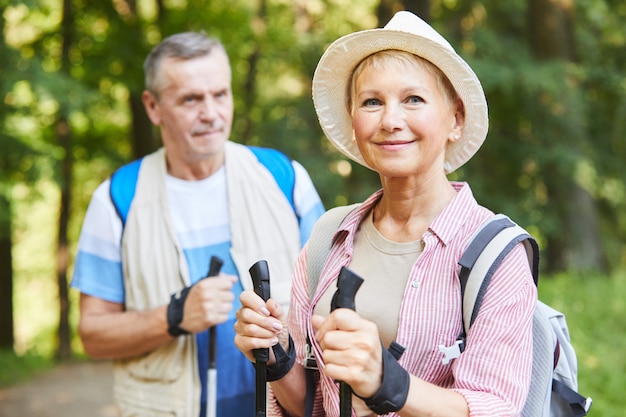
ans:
(205, 128)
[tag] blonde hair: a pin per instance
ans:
(392, 57)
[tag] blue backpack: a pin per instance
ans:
(124, 179)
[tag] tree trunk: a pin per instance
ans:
(6, 257)
(144, 141)
(387, 8)
(64, 140)
(6, 276)
(249, 88)
(578, 244)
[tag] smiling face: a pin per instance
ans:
(404, 113)
(193, 106)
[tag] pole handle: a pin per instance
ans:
(348, 283)
(260, 274)
(215, 265)
(261, 282)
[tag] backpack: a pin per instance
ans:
(553, 389)
(124, 179)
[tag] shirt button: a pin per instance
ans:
(415, 284)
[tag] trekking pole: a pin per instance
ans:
(211, 383)
(261, 281)
(348, 284)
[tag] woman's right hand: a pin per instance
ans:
(259, 325)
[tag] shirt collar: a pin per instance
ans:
(456, 214)
(445, 226)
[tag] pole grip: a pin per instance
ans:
(260, 274)
(261, 282)
(348, 283)
(215, 265)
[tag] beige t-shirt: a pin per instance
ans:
(385, 267)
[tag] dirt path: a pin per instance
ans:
(69, 390)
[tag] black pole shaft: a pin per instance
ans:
(348, 283)
(215, 265)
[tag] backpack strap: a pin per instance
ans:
(489, 246)
(122, 188)
(124, 180)
(320, 242)
(318, 248)
(579, 404)
(281, 168)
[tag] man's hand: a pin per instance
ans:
(208, 303)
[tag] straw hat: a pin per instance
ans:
(404, 32)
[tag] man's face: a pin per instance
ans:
(193, 107)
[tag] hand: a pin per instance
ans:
(351, 350)
(208, 303)
(259, 325)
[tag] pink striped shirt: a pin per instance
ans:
(493, 373)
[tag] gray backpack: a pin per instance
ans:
(554, 384)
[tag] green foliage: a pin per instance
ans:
(15, 368)
(554, 124)
(594, 306)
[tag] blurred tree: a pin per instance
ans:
(546, 155)
(16, 166)
(6, 257)
(387, 8)
(579, 245)
(129, 19)
(6, 275)
(64, 140)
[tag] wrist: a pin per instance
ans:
(283, 363)
(175, 311)
(394, 389)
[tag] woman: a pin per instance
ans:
(400, 101)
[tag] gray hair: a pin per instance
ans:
(186, 45)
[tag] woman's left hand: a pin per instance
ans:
(351, 350)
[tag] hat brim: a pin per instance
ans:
(335, 68)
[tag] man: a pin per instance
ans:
(152, 228)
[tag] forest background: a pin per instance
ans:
(554, 73)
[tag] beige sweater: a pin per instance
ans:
(263, 226)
